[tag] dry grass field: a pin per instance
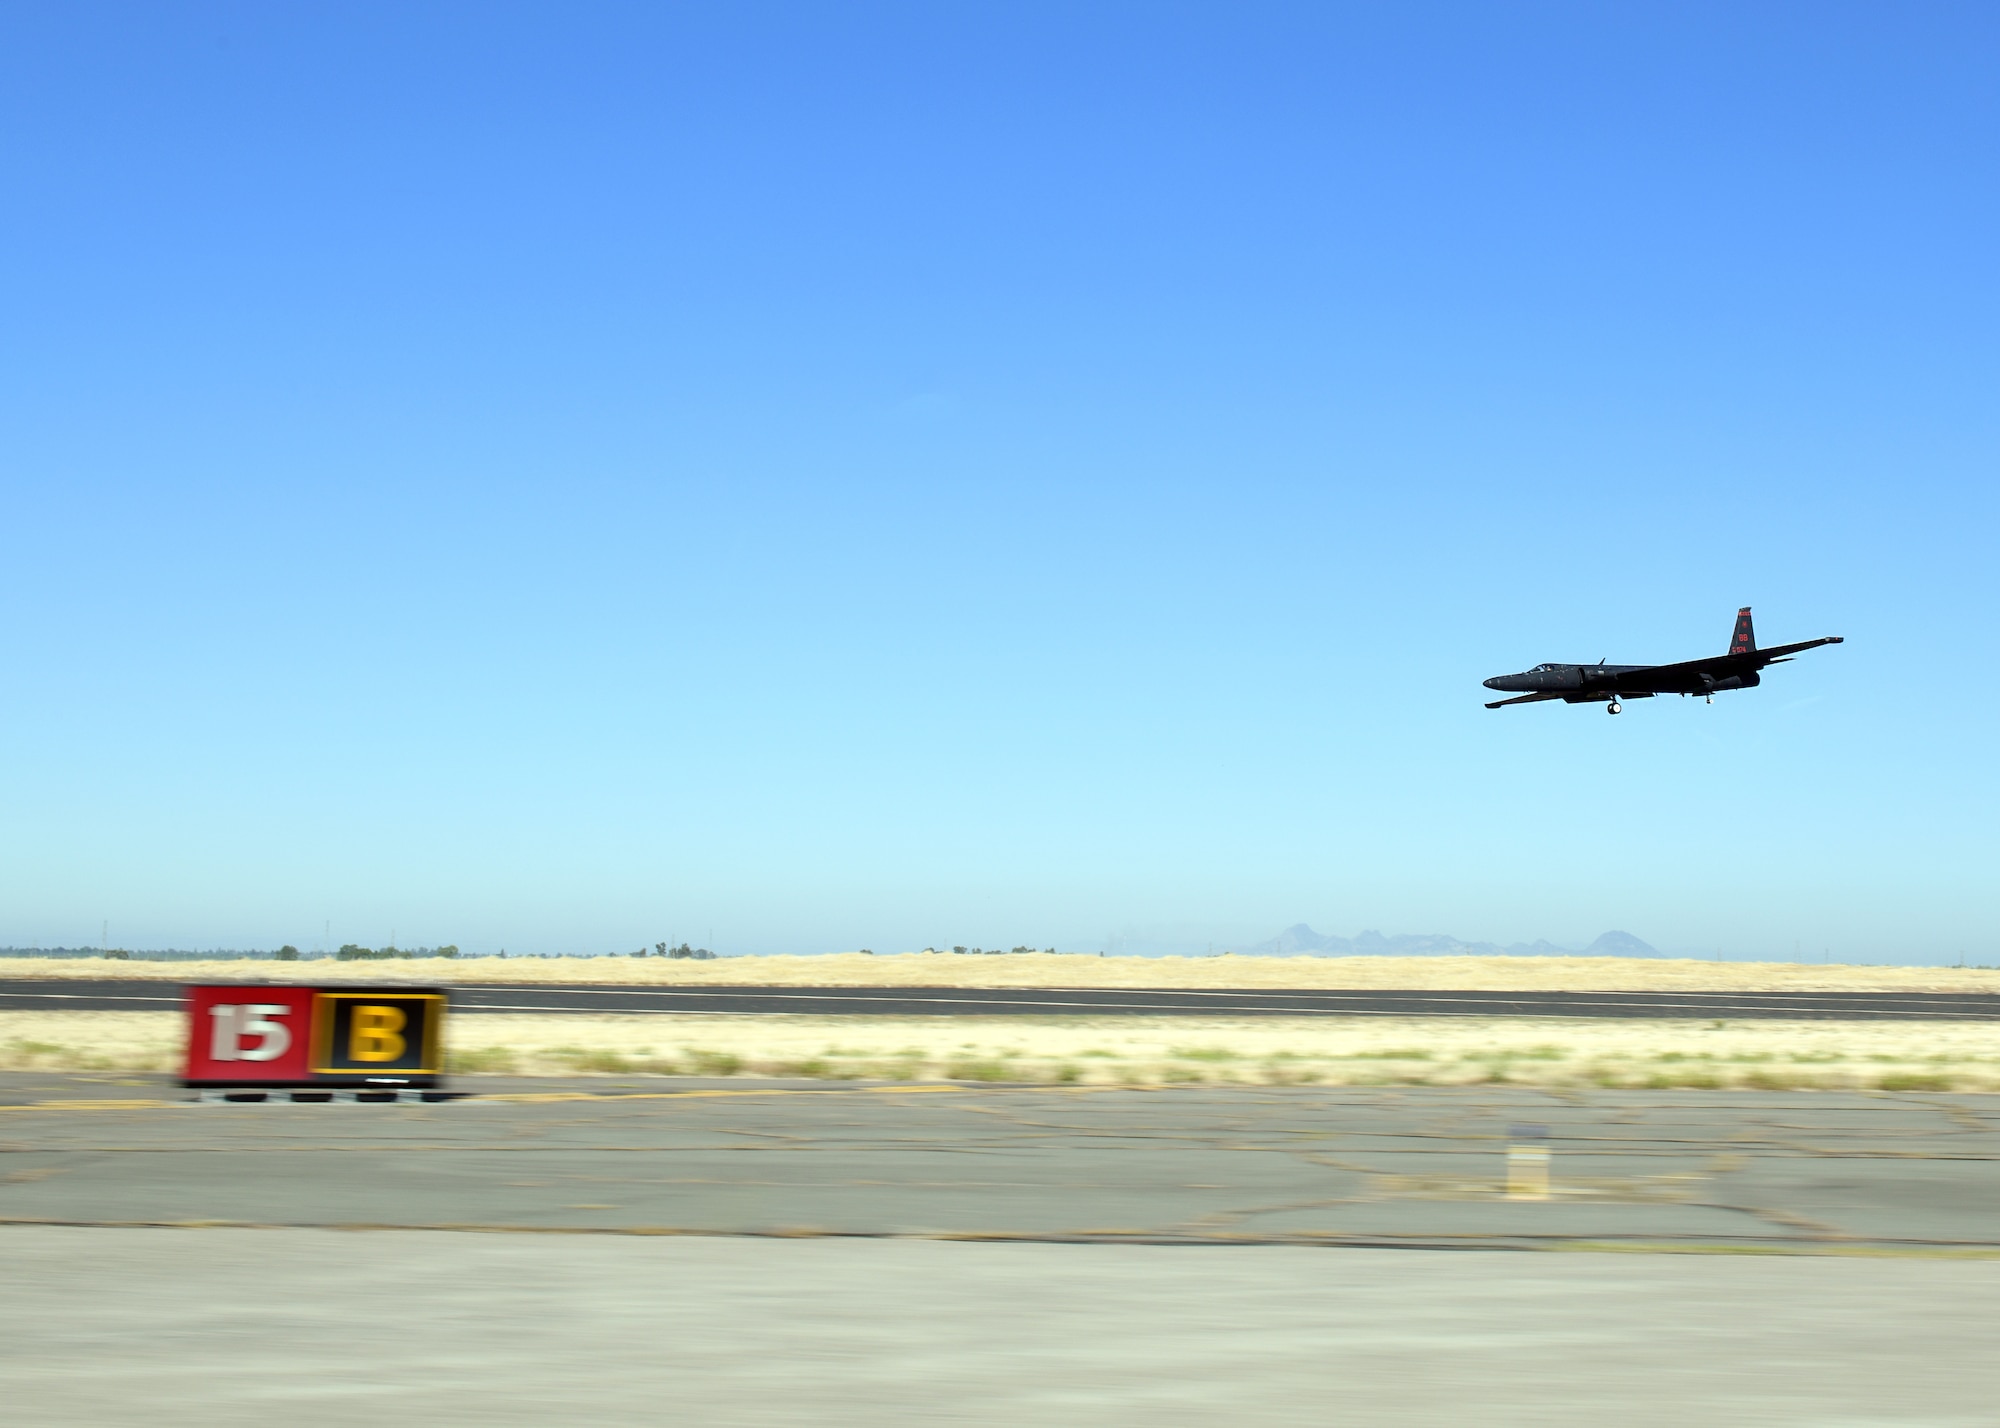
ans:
(918, 969)
(1138, 1051)
(1116, 1050)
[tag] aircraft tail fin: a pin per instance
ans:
(1744, 641)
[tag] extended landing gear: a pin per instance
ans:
(1614, 707)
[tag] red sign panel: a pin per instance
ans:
(263, 1035)
(249, 1036)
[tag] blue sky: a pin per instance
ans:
(566, 476)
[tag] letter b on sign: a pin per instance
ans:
(365, 1034)
(374, 1033)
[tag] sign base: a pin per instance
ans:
(319, 1096)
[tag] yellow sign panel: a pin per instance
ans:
(377, 1033)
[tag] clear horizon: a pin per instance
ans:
(1133, 942)
(800, 478)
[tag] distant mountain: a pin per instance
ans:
(1619, 944)
(1300, 940)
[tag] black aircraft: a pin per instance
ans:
(1600, 683)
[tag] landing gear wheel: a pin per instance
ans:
(1613, 707)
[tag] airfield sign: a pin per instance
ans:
(259, 1035)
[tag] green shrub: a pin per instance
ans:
(583, 1060)
(480, 1058)
(905, 1070)
(1278, 1075)
(815, 1067)
(968, 1070)
(21, 1052)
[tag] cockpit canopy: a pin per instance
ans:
(1543, 668)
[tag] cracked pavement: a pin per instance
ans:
(1805, 1171)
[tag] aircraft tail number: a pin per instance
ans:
(1745, 638)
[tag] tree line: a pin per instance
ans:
(661, 949)
(350, 953)
(996, 952)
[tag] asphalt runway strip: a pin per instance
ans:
(1785, 1172)
(57, 994)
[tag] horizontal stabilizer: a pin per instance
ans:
(1772, 654)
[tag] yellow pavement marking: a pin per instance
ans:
(537, 1097)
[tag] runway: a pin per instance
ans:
(59, 994)
(864, 1254)
(1426, 1166)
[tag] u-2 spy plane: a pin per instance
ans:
(1603, 683)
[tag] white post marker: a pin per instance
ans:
(1527, 1162)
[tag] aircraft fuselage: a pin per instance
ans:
(1632, 681)
(1740, 667)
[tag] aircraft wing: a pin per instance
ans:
(1719, 666)
(1522, 699)
(1723, 665)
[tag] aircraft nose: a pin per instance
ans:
(1493, 683)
